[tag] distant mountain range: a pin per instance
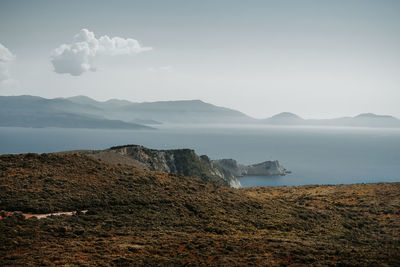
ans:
(32, 111)
(84, 112)
(361, 120)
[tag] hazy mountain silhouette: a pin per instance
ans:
(31, 111)
(361, 120)
(84, 112)
(284, 118)
(181, 111)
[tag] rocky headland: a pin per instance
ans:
(266, 168)
(184, 161)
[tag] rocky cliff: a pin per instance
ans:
(178, 161)
(266, 168)
(184, 161)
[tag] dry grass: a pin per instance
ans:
(138, 217)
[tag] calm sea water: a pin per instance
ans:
(314, 155)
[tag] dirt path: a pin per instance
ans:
(4, 214)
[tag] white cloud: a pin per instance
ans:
(5, 58)
(77, 57)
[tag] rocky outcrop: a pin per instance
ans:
(183, 161)
(178, 161)
(266, 168)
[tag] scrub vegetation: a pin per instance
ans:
(141, 217)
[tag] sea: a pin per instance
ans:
(314, 155)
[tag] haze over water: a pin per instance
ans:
(315, 155)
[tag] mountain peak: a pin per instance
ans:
(82, 99)
(284, 118)
(374, 116)
(286, 115)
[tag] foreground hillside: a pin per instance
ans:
(139, 217)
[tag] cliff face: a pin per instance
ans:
(183, 161)
(232, 166)
(178, 161)
(266, 168)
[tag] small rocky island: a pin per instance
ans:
(186, 162)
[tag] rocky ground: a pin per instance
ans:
(141, 217)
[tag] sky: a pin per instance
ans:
(318, 59)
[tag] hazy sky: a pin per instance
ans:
(318, 59)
